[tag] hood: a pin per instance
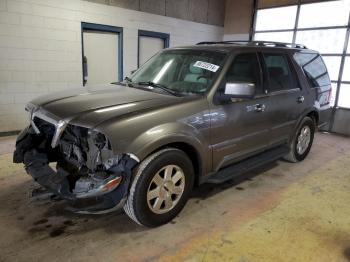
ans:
(90, 106)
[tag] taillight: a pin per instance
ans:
(330, 95)
(324, 97)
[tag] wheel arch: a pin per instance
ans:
(188, 148)
(192, 154)
(312, 113)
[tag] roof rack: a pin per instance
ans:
(256, 43)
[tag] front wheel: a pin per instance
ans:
(160, 188)
(302, 141)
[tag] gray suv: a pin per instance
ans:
(190, 115)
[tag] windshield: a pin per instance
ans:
(181, 71)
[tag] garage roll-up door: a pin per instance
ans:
(323, 26)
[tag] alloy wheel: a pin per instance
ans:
(304, 139)
(166, 189)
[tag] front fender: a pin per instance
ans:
(162, 135)
(141, 133)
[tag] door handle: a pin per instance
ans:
(301, 99)
(259, 108)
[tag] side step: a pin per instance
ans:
(248, 164)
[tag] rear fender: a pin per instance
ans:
(298, 122)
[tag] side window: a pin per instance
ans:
(245, 69)
(314, 68)
(278, 72)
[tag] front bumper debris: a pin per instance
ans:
(94, 191)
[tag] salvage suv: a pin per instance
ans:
(190, 115)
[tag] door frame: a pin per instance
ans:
(164, 36)
(103, 28)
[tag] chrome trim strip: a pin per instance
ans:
(60, 125)
(133, 156)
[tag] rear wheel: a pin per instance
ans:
(302, 142)
(160, 188)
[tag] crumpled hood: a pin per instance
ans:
(90, 106)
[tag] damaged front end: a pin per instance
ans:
(86, 169)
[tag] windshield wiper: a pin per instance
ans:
(160, 86)
(128, 81)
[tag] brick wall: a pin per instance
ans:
(40, 46)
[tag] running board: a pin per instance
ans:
(248, 164)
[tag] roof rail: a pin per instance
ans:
(256, 43)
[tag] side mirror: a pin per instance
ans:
(240, 90)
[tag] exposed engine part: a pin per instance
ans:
(83, 147)
(111, 162)
(86, 167)
(98, 139)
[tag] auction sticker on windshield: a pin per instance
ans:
(207, 66)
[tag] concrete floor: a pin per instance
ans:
(283, 212)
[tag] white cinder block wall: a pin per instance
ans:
(40, 46)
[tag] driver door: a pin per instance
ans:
(240, 127)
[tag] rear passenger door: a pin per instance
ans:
(287, 99)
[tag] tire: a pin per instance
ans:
(144, 207)
(298, 152)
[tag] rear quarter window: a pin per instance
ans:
(314, 68)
